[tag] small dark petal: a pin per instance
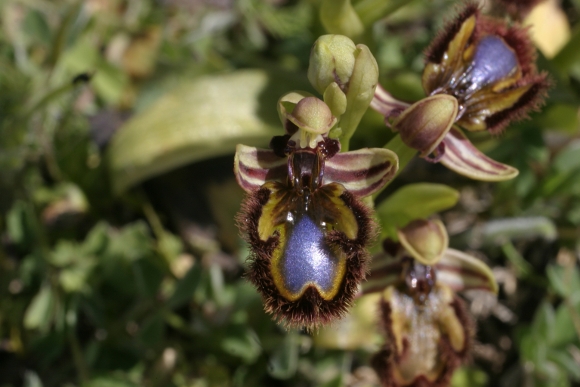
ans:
(391, 247)
(532, 100)
(437, 154)
(279, 144)
(290, 127)
(329, 147)
(439, 45)
(518, 9)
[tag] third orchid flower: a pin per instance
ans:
(480, 74)
(427, 326)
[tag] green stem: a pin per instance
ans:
(77, 355)
(369, 11)
(569, 54)
(522, 267)
(404, 153)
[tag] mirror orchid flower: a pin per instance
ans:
(479, 75)
(428, 329)
(303, 216)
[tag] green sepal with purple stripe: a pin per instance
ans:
(361, 172)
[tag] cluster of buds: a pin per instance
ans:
(479, 75)
(428, 329)
(303, 217)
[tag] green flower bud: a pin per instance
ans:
(425, 240)
(335, 59)
(288, 102)
(332, 59)
(423, 125)
(312, 115)
(335, 99)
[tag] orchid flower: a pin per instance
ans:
(428, 329)
(479, 75)
(303, 217)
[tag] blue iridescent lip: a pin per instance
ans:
(308, 260)
(493, 61)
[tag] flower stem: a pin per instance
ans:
(405, 154)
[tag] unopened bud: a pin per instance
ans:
(424, 240)
(423, 125)
(332, 59)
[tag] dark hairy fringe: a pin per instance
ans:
(311, 310)
(434, 53)
(530, 101)
(518, 9)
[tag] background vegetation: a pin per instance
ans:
(120, 264)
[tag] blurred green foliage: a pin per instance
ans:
(146, 288)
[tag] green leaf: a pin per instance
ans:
(568, 159)
(569, 54)
(201, 119)
(39, 311)
(36, 27)
(131, 243)
(21, 224)
(413, 201)
(148, 276)
(152, 331)
(185, 287)
(544, 322)
(108, 381)
(566, 362)
(564, 330)
(338, 381)
(244, 344)
(469, 376)
(75, 278)
(31, 379)
(284, 361)
(554, 274)
(370, 11)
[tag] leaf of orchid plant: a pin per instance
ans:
(203, 118)
(362, 172)
(461, 271)
(463, 157)
(254, 166)
(413, 201)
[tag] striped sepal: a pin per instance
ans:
(362, 172)
(385, 271)
(253, 167)
(462, 271)
(384, 103)
(463, 157)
